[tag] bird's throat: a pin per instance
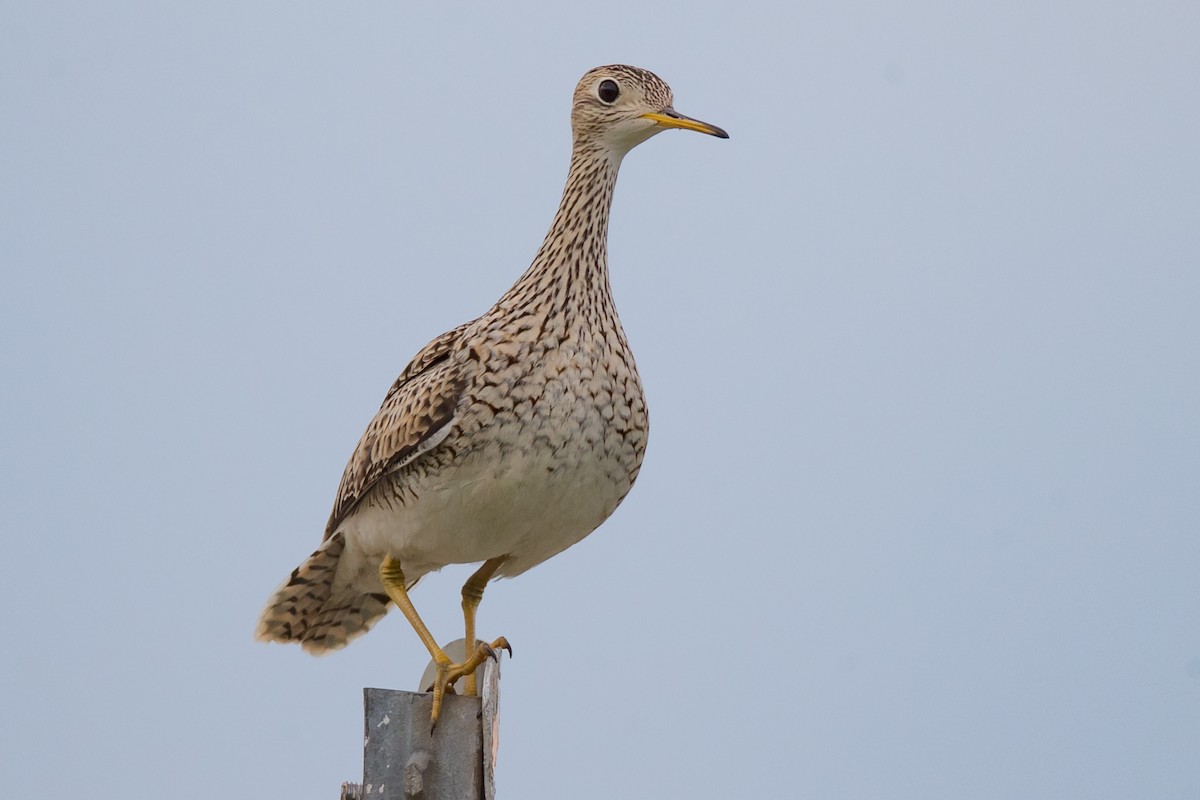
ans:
(571, 266)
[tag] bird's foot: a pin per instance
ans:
(449, 672)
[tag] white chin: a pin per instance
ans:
(627, 137)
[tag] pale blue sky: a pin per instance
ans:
(920, 515)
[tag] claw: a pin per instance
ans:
(491, 649)
(449, 672)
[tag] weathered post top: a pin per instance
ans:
(404, 760)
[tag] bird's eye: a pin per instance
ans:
(608, 91)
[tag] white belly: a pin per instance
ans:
(527, 506)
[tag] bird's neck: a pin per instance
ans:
(570, 269)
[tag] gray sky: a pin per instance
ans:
(920, 513)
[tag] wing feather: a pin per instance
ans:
(416, 415)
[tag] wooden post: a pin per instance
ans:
(402, 760)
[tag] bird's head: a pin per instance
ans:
(619, 107)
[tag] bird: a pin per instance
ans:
(505, 440)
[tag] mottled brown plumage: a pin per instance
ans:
(511, 437)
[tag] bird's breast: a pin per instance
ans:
(574, 406)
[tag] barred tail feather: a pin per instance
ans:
(306, 609)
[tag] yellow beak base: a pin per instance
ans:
(669, 118)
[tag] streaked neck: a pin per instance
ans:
(571, 266)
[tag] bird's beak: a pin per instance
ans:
(670, 118)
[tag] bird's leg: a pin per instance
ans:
(392, 576)
(472, 595)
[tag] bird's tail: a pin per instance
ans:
(308, 610)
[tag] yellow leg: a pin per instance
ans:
(448, 672)
(472, 595)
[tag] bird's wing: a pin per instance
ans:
(416, 415)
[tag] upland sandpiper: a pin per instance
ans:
(506, 440)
